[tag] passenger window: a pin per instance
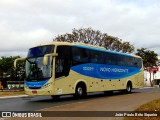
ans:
(63, 61)
(80, 55)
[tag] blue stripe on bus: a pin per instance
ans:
(36, 84)
(103, 71)
(99, 49)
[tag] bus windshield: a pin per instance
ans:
(35, 70)
(40, 51)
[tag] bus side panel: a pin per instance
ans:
(138, 80)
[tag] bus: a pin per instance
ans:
(62, 68)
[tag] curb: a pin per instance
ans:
(4, 97)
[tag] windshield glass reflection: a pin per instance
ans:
(35, 70)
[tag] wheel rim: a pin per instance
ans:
(80, 91)
(128, 88)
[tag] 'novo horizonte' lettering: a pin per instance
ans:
(104, 69)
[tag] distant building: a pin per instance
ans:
(155, 75)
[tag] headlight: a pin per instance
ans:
(46, 85)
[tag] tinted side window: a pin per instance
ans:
(120, 60)
(110, 59)
(63, 61)
(96, 57)
(80, 55)
(138, 62)
(64, 52)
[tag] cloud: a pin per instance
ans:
(24, 24)
(20, 41)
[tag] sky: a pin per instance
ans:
(27, 23)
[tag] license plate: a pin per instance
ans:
(34, 92)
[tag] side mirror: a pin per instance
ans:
(18, 59)
(45, 59)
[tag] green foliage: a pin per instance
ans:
(95, 37)
(149, 57)
(7, 70)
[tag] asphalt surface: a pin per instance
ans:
(94, 102)
(44, 102)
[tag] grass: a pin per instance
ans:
(151, 106)
(11, 93)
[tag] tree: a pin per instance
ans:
(6, 66)
(95, 37)
(127, 47)
(7, 69)
(149, 59)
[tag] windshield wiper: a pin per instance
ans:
(30, 61)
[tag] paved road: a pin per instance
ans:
(42, 102)
(94, 102)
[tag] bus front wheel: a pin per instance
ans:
(80, 91)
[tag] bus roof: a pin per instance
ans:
(88, 46)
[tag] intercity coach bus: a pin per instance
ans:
(61, 68)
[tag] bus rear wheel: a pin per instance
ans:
(129, 87)
(80, 91)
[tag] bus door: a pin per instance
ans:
(62, 62)
(62, 68)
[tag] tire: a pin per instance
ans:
(80, 92)
(129, 88)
